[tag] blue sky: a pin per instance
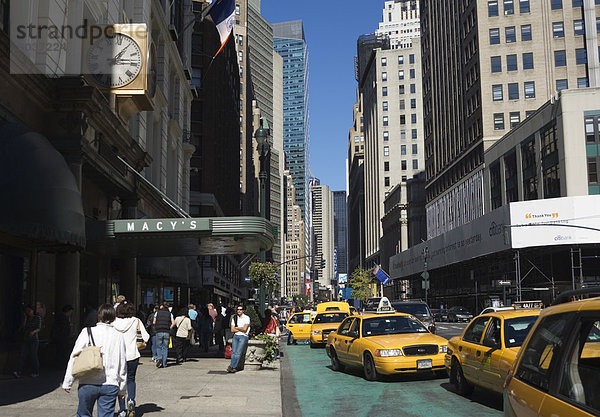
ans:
(331, 29)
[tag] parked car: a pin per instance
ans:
(458, 313)
(418, 309)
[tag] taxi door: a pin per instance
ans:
(342, 338)
(354, 351)
(489, 355)
(299, 324)
(470, 349)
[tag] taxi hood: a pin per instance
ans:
(399, 340)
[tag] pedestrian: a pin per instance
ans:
(213, 314)
(219, 330)
(61, 335)
(193, 315)
(128, 324)
(185, 331)
(271, 328)
(120, 299)
(102, 387)
(240, 327)
(206, 328)
(30, 342)
(91, 316)
(163, 323)
(152, 332)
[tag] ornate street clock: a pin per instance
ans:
(115, 61)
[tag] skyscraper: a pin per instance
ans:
(322, 215)
(289, 42)
(340, 230)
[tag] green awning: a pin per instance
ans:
(181, 236)
(41, 203)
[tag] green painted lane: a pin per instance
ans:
(323, 392)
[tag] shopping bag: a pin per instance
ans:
(228, 352)
(170, 342)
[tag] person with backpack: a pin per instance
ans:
(152, 332)
(163, 323)
(240, 327)
(101, 387)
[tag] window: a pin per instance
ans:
(498, 121)
(513, 91)
(492, 8)
(240, 40)
(560, 58)
(412, 73)
(402, 149)
(404, 178)
(384, 91)
(413, 118)
(386, 181)
(582, 82)
(411, 59)
(524, 6)
(401, 74)
(511, 62)
(598, 25)
(529, 89)
(558, 30)
(413, 133)
(402, 104)
(497, 92)
(562, 84)
(413, 103)
(578, 27)
(556, 4)
(237, 9)
(515, 118)
(475, 330)
(494, 36)
(580, 56)
(544, 348)
(577, 3)
(401, 89)
(356, 139)
(496, 64)
(415, 148)
(386, 165)
(511, 34)
(197, 77)
(385, 120)
(402, 134)
(509, 7)
(402, 119)
(383, 61)
(413, 89)
(403, 165)
(240, 56)
(386, 151)
(528, 60)
(400, 59)
(525, 32)
(384, 76)
(529, 169)
(415, 164)
(495, 185)
(385, 106)
(386, 136)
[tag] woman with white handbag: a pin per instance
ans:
(101, 385)
(134, 332)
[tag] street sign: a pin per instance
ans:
(503, 283)
(425, 276)
(425, 284)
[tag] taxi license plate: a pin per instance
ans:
(424, 364)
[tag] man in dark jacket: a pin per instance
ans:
(163, 323)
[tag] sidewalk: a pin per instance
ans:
(199, 387)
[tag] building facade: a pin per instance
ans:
(294, 272)
(340, 210)
(323, 228)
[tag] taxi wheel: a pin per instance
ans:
(457, 377)
(335, 362)
(369, 369)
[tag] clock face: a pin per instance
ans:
(114, 61)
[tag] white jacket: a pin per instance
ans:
(112, 347)
(128, 327)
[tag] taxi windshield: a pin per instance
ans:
(330, 318)
(516, 330)
(377, 326)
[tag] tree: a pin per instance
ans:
(360, 281)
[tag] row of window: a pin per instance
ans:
(413, 134)
(411, 60)
(511, 62)
(558, 31)
(413, 104)
(413, 119)
(412, 74)
(524, 6)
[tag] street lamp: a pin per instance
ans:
(263, 149)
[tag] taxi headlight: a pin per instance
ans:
(444, 349)
(315, 332)
(386, 353)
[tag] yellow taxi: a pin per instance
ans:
(557, 371)
(385, 343)
(299, 325)
(485, 351)
(323, 324)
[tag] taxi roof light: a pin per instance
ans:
(384, 306)
(522, 305)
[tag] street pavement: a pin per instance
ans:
(198, 387)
